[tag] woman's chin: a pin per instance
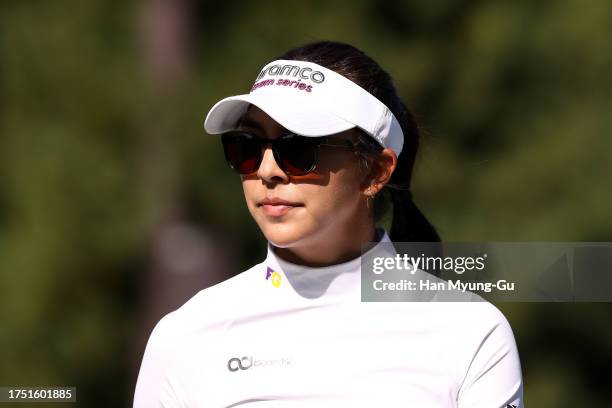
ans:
(284, 235)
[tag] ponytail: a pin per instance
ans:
(409, 223)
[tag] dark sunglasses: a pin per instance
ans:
(296, 155)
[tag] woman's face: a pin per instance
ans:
(326, 205)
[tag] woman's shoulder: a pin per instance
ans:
(210, 307)
(471, 318)
(458, 326)
(481, 312)
(239, 286)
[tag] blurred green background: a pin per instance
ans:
(115, 207)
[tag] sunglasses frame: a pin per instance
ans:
(316, 142)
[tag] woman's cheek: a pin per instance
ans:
(323, 210)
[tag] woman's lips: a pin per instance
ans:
(277, 207)
(277, 210)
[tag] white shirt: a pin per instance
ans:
(285, 335)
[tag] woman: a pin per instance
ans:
(324, 146)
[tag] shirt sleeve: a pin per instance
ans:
(494, 376)
(154, 386)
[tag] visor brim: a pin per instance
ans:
(302, 118)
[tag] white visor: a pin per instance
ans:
(309, 100)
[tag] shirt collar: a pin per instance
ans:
(339, 280)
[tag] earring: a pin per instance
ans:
(369, 197)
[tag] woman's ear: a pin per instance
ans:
(379, 170)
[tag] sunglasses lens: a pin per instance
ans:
(297, 155)
(242, 154)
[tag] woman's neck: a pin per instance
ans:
(331, 249)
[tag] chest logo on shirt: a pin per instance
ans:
(235, 363)
(273, 276)
(244, 363)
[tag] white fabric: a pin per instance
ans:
(310, 100)
(304, 339)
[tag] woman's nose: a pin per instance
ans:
(269, 170)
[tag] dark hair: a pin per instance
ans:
(409, 224)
